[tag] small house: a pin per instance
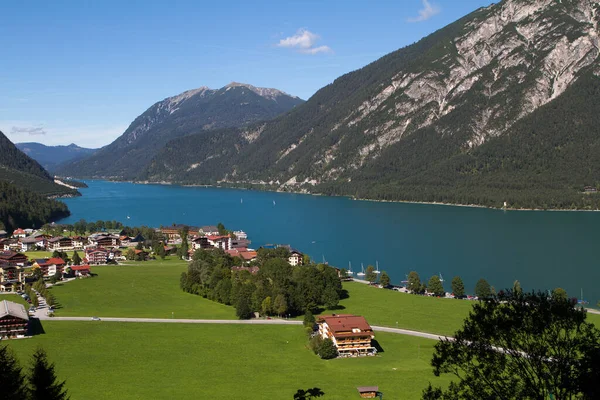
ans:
(368, 392)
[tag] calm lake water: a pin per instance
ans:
(543, 250)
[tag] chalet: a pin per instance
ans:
(133, 241)
(209, 230)
(14, 320)
(12, 257)
(296, 258)
(200, 242)
(252, 270)
(220, 242)
(97, 256)
(590, 189)
(351, 334)
(116, 254)
(81, 270)
(79, 242)
(368, 392)
(10, 245)
(11, 277)
(55, 265)
(30, 243)
(172, 232)
(104, 240)
(240, 243)
(19, 233)
(141, 255)
(42, 264)
(60, 243)
(170, 250)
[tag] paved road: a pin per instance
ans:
(235, 321)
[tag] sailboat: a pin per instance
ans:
(241, 201)
(362, 270)
(377, 271)
(350, 272)
(273, 202)
(581, 300)
(441, 278)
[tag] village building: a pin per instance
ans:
(11, 277)
(220, 242)
(79, 242)
(172, 232)
(351, 334)
(60, 243)
(19, 233)
(97, 256)
(3, 234)
(104, 240)
(42, 264)
(244, 254)
(368, 392)
(14, 320)
(200, 242)
(209, 230)
(55, 265)
(296, 258)
(10, 245)
(30, 243)
(81, 270)
(12, 257)
(141, 255)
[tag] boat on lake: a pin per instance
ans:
(362, 270)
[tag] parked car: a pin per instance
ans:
(95, 318)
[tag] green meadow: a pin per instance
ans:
(147, 289)
(110, 360)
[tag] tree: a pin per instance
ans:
(308, 394)
(560, 293)
(43, 382)
(161, 252)
(458, 287)
(266, 307)
(38, 274)
(280, 305)
(130, 255)
(58, 275)
(343, 273)
(139, 246)
(483, 289)
(331, 298)
(520, 346)
(221, 229)
(309, 319)
(436, 287)
(13, 382)
(384, 279)
(371, 276)
(414, 282)
(76, 259)
(517, 287)
(327, 350)
(242, 308)
(50, 300)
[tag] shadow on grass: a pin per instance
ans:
(35, 327)
(344, 294)
(376, 344)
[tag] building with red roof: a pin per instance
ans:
(351, 334)
(81, 270)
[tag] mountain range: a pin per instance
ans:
(190, 112)
(52, 156)
(499, 107)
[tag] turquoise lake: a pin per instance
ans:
(541, 249)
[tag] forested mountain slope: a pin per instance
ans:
(52, 156)
(498, 106)
(24, 188)
(194, 111)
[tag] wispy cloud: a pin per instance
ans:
(32, 131)
(428, 11)
(304, 41)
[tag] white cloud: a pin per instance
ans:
(428, 11)
(30, 130)
(304, 42)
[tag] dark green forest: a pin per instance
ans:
(25, 209)
(277, 288)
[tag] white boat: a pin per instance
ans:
(377, 271)
(362, 270)
(350, 272)
(273, 202)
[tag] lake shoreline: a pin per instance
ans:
(358, 198)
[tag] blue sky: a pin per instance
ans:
(81, 71)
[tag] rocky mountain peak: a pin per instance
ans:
(268, 93)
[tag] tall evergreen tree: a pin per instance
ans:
(11, 377)
(76, 258)
(458, 287)
(43, 381)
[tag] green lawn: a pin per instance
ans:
(14, 298)
(106, 360)
(421, 313)
(148, 289)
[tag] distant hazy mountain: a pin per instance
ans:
(52, 156)
(194, 111)
(501, 105)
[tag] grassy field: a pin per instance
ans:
(149, 289)
(104, 360)
(421, 313)
(14, 298)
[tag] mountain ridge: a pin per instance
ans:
(50, 157)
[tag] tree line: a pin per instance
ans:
(38, 382)
(276, 289)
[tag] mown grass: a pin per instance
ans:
(14, 298)
(109, 360)
(386, 307)
(147, 289)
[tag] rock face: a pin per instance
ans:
(190, 112)
(445, 100)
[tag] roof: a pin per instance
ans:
(248, 255)
(55, 261)
(8, 254)
(13, 309)
(19, 231)
(218, 237)
(366, 389)
(30, 240)
(346, 323)
(209, 228)
(41, 261)
(80, 267)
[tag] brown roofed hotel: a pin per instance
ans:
(351, 334)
